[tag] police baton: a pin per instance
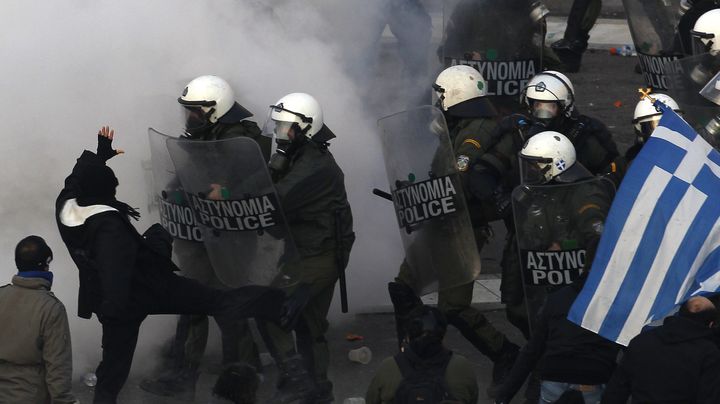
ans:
(340, 261)
(382, 194)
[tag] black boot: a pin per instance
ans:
(178, 384)
(323, 393)
(570, 53)
(294, 383)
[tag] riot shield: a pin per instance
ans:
(236, 208)
(691, 82)
(167, 195)
(498, 38)
(428, 198)
(554, 224)
(653, 26)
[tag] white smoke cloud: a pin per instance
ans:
(70, 66)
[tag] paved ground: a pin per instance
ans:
(606, 88)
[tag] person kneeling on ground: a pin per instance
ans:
(425, 370)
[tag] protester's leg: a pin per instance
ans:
(551, 391)
(173, 294)
(118, 342)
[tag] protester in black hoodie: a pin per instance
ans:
(125, 277)
(678, 362)
(568, 356)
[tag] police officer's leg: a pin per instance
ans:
(196, 340)
(318, 274)
(238, 345)
(581, 19)
(511, 287)
(118, 342)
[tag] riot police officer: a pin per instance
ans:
(560, 210)
(311, 188)
(470, 116)
(550, 100)
(211, 113)
(645, 119)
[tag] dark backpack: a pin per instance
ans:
(422, 382)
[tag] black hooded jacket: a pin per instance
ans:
(111, 256)
(678, 362)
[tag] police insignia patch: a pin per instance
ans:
(463, 162)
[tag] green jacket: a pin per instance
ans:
(244, 128)
(460, 377)
(312, 194)
(35, 349)
(471, 138)
(594, 146)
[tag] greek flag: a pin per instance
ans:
(661, 238)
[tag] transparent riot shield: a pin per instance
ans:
(168, 196)
(236, 208)
(692, 80)
(653, 26)
(501, 39)
(554, 224)
(429, 203)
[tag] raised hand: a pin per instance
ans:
(104, 146)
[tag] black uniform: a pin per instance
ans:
(124, 276)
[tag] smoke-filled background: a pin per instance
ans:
(71, 66)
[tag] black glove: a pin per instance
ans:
(503, 203)
(104, 146)
(159, 240)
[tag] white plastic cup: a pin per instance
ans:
(90, 379)
(360, 355)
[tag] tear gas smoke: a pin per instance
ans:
(72, 66)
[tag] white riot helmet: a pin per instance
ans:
(549, 156)
(706, 33)
(646, 116)
(208, 99)
(461, 91)
(298, 112)
(548, 95)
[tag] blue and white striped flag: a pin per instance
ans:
(661, 237)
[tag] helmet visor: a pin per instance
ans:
(711, 91)
(195, 118)
(280, 130)
(544, 109)
(535, 170)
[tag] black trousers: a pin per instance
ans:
(164, 292)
